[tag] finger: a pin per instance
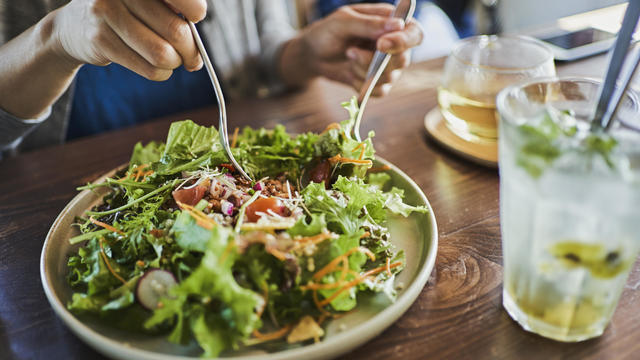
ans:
(349, 23)
(193, 10)
(140, 38)
(171, 27)
(400, 41)
(115, 50)
(374, 9)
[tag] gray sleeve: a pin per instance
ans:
(13, 129)
(275, 29)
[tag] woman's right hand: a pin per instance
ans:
(145, 36)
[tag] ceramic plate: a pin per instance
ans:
(416, 235)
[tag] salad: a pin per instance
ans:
(184, 246)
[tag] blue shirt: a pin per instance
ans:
(111, 97)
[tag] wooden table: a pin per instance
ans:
(459, 313)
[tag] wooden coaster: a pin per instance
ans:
(485, 154)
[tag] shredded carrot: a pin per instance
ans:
(379, 169)
(282, 256)
(235, 137)
(363, 147)
(356, 281)
(366, 234)
(106, 262)
(312, 240)
(339, 159)
(368, 253)
(314, 286)
(341, 282)
(315, 238)
(276, 253)
(137, 173)
(331, 127)
(272, 335)
(201, 219)
(332, 265)
(106, 226)
(146, 173)
(389, 266)
(320, 307)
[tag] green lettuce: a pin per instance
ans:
(231, 316)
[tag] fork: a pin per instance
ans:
(222, 127)
(404, 10)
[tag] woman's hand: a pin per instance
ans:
(341, 46)
(145, 36)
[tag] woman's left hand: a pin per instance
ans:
(341, 46)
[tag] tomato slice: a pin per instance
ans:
(263, 205)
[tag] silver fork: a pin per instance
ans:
(404, 10)
(222, 127)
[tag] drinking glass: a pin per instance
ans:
(477, 69)
(569, 199)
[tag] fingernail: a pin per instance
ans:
(385, 45)
(394, 25)
(351, 54)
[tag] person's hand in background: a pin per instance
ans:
(341, 46)
(145, 36)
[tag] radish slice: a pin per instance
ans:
(154, 285)
(258, 186)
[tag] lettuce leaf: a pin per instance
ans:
(231, 317)
(263, 152)
(147, 154)
(190, 146)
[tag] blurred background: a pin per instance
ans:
(446, 21)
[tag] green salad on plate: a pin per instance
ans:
(184, 246)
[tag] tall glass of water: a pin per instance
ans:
(569, 200)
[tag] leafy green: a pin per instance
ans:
(352, 201)
(188, 234)
(264, 152)
(146, 154)
(309, 228)
(212, 283)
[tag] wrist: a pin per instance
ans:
(297, 66)
(49, 33)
